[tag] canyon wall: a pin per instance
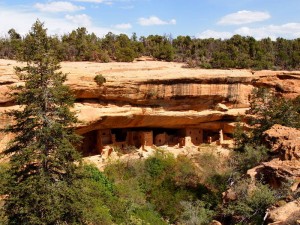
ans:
(149, 94)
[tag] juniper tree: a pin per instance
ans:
(44, 162)
(269, 109)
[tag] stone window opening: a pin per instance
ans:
(120, 134)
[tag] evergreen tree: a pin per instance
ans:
(44, 162)
(268, 109)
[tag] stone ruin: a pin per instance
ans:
(94, 142)
(145, 104)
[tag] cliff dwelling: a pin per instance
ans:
(145, 104)
(94, 142)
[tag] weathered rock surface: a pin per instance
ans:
(286, 214)
(164, 84)
(215, 222)
(276, 171)
(284, 141)
(95, 116)
(156, 94)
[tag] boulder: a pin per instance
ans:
(215, 222)
(286, 214)
(221, 107)
(284, 141)
(276, 172)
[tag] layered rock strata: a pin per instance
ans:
(157, 95)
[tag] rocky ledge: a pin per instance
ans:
(149, 94)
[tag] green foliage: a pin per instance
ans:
(240, 136)
(248, 157)
(195, 213)
(149, 216)
(99, 79)
(93, 173)
(125, 54)
(42, 173)
(124, 49)
(269, 110)
(235, 52)
(132, 205)
(4, 178)
(155, 186)
(251, 204)
(159, 165)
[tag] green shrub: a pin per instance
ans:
(251, 203)
(149, 216)
(145, 191)
(94, 174)
(185, 172)
(160, 164)
(104, 57)
(195, 213)
(4, 176)
(99, 79)
(269, 109)
(249, 157)
(125, 54)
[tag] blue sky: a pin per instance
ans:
(197, 18)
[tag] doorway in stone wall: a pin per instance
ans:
(89, 144)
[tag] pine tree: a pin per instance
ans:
(44, 162)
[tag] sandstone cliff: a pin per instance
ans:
(283, 168)
(157, 94)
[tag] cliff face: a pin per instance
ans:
(157, 94)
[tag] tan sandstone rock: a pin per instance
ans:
(215, 222)
(155, 94)
(285, 141)
(286, 214)
(221, 107)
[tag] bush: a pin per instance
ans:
(252, 202)
(99, 79)
(125, 54)
(104, 57)
(195, 213)
(149, 216)
(4, 176)
(155, 187)
(248, 157)
(269, 109)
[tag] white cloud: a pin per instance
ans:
(81, 20)
(22, 21)
(91, 1)
(288, 31)
(107, 2)
(123, 26)
(214, 34)
(244, 17)
(153, 20)
(58, 7)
